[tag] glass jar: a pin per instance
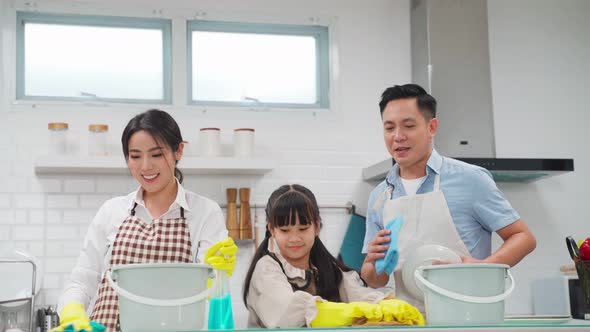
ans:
(243, 142)
(97, 139)
(58, 132)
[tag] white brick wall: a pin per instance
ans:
(4, 201)
(29, 201)
(325, 150)
(48, 215)
(5, 233)
(79, 186)
(45, 185)
(32, 233)
(62, 201)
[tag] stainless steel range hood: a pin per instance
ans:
(450, 58)
(502, 169)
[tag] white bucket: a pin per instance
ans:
(161, 296)
(464, 294)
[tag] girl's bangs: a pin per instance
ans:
(290, 206)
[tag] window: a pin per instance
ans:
(89, 58)
(244, 64)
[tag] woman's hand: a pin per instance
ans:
(222, 255)
(73, 318)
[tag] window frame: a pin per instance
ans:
(319, 33)
(165, 25)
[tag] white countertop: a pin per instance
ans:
(520, 326)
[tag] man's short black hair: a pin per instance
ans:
(426, 103)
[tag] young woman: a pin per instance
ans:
(129, 229)
(299, 283)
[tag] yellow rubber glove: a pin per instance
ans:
(73, 316)
(334, 314)
(222, 255)
(400, 311)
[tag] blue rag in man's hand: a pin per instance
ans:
(389, 262)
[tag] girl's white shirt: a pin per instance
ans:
(272, 303)
(204, 218)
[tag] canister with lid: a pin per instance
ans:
(210, 142)
(97, 139)
(58, 132)
(243, 142)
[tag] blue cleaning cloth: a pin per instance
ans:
(389, 262)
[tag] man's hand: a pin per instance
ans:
(375, 250)
(469, 259)
(378, 246)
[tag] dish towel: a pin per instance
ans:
(389, 262)
(352, 244)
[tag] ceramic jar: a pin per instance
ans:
(243, 142)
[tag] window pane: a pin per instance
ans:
(233, 67)
(109, 62)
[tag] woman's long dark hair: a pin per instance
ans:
(284, 207)
(161, 126)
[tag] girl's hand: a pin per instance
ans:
(400, 311)
(334, 314)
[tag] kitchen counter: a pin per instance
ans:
(528, 325)
(518, 326)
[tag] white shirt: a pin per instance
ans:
(272, 303)
(411, 186)
(204, 218)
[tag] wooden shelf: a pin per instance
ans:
(188, 165)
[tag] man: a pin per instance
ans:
(442, 200)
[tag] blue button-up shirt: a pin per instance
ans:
(477, 206)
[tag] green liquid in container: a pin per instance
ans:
(220, 314)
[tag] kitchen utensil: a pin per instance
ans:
(582, 266)
(40, 321)
(572, 247)
(231, 220)
(161, 296)
(18, 279)
(220, 309)
(423, 256)
(50, 319)
(464, 294)
(245, 216)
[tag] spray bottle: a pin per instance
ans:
(220, 311)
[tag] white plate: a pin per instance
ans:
(422, 256)
(537, 319)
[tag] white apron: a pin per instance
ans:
(427, 220)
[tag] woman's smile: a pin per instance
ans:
(150, 178)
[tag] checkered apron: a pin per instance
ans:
(163, 241)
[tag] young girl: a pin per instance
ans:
(299, 283)
(159, 222)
